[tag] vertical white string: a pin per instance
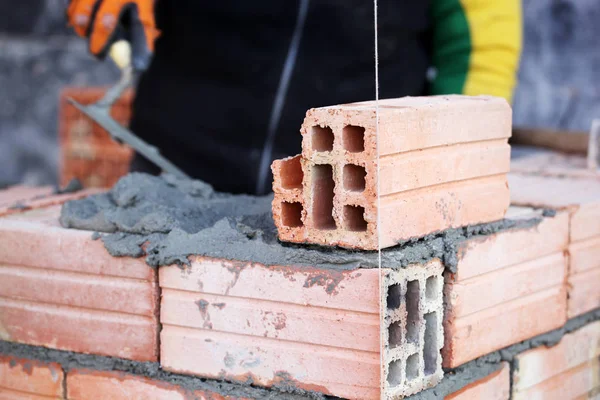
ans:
(381, 310)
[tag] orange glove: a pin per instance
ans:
(104, 22)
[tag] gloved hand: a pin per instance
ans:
(104, 22)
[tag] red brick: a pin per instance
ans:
(61, 289)
(88, 384)
(316, 328)
(584, 292)
(29, 379)
(580, 196)
(565, 371)
(495, 386)
(508, 287)
(449, 167)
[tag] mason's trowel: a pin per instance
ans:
(120, 52)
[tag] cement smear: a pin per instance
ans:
(457, 378)
(69, 361)
(169, 219)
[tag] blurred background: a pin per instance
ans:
(39, 56)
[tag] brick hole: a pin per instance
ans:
(431, 288)
(395, 334)
(393, 297)
(291, 173)
(322, 189)
(412, 309)
(354, 177)
(430, 348)
(412, 367)
(291, 214)
(394, 376)
(354, 218)
(353, 138)
(322, 138)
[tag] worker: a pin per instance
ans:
(226, 84)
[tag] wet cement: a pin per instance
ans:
(167, 219)
(457, 378)
(70, 361)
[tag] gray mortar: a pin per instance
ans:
(457, 378)
(70, 361)
(169, 219)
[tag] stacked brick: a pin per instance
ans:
(508, 287)
(568, 370)
(61, 289)
(436, 160)
(87, 151)
(580, 198)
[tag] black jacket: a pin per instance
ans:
(208, 98)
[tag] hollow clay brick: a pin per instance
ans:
(61, 289)
(567, 370)
(314, 328)
(90, 384)
(29, 379)
(412, 331)
(495, 386)
(440, 159)
(508, 287)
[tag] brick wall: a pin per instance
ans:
(76, 322)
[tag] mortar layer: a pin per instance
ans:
(457, 378)
(152, 370)
(169, 219)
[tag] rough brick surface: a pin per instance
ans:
(508, 287)
(27, 379)
(89, 384)
(328, 195)
(87, 151)
(568, 370)
(584, 276)
(316, 329)
(495, 386)
(61, 289)
(412, 334)
(580, 196)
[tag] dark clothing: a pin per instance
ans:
(207, 98)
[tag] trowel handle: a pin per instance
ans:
(120, 53)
